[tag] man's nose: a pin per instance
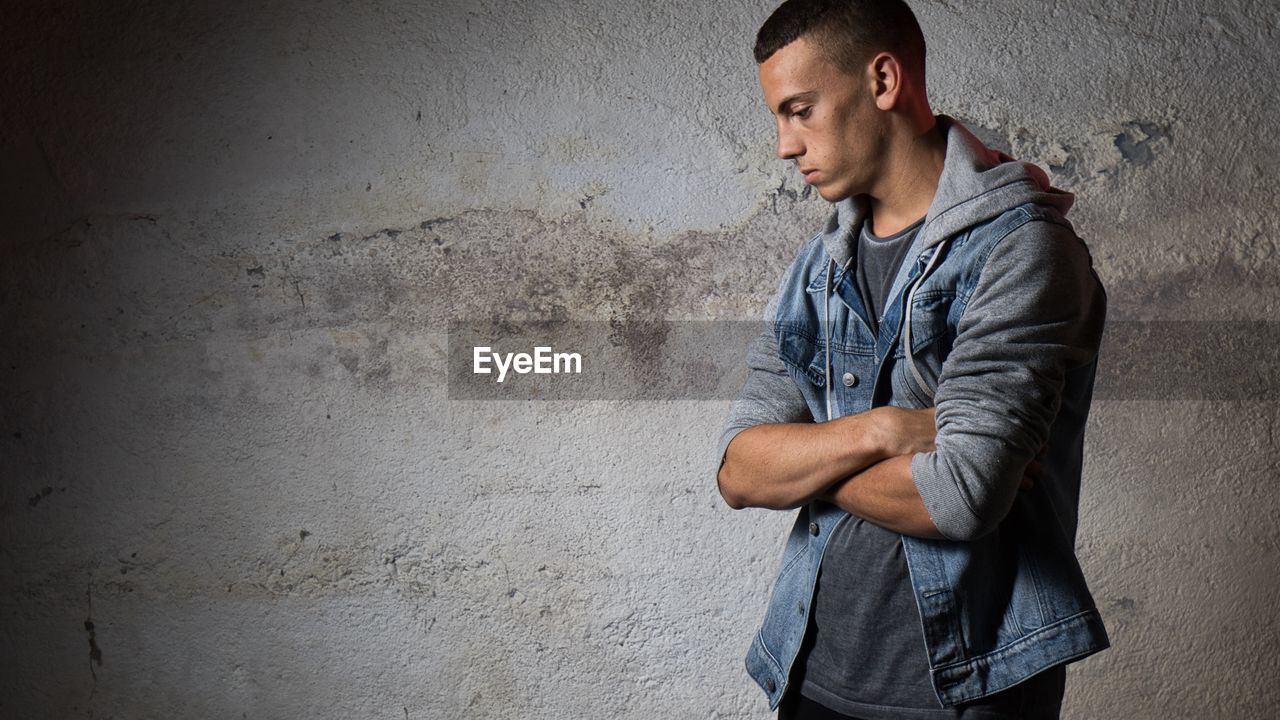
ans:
(789, 145)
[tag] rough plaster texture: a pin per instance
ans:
(233, 235)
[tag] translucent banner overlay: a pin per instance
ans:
(705, 360)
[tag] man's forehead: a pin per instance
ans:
(797, 71)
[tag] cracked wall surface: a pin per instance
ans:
(236, 482)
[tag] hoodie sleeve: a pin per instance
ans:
(769, 394)
(1037, 311)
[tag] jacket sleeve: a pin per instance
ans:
(1037, 311)
(769, 394)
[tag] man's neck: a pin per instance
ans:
(914, 165)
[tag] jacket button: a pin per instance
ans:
(850, 379)
(800, 607)
(770, 685)
(813, 528)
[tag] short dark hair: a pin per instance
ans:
(849, 32)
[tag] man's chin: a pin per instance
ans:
(832, 195)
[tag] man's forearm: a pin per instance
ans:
(785, 465)
(885, 494)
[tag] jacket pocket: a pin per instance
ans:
(932, 335)
(803, 354)
(931, 324)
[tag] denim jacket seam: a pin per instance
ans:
(764, 647)
(794, 559)
(1000, 652)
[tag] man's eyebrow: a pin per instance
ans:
(798, 97)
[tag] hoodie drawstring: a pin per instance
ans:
(826, 306)
(826, 321)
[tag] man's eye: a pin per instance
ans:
(802, 114)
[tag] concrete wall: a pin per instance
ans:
(235, 483)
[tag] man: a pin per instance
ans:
(920, 395)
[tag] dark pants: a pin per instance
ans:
(795, 706)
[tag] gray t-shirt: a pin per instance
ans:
(864, 653)
(878, 261)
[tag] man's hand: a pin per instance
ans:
(885, 493)
(1034, 471)
(785, 465)
(906, 431)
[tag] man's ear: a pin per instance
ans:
(886, 79)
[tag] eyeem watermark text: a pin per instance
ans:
(1140, 360)
(542, 362)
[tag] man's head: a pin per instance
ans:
(842, 78)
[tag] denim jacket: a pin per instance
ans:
(1001, 336)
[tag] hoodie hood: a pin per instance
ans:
(977, 183)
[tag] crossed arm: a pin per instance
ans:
(862, 463)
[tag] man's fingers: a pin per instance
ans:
(909, 430)
(1034, 472)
